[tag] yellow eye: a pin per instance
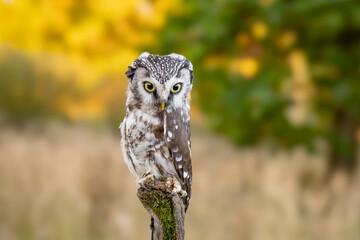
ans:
(176, 88)
(149, 87)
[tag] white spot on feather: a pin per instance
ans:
(176, 126)
(170, 134)
(178, 158)
(186, 174)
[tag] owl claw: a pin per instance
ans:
(153, 178)
(168, 186)
(147, 178)
(150, 176)
(183, 193)
(142, 185)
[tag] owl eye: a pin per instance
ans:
(176, 88)
(149, 87)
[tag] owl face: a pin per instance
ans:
(157, 82)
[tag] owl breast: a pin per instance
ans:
(146, 150)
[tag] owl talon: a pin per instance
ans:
(153, 178)
(142, 186)
(146, 178)
(168, 186)
(183, 193)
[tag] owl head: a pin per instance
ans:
(158, 82)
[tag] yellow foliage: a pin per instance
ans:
(243, 40)
(88, 109)
(214, 61)
(300, 89)
(248, 66)
(286, 39)
(92, 29)
(97, 38)
(259, 30)
(298, 66)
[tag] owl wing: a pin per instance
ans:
(177, 137)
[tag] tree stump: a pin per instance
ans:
(167, 212)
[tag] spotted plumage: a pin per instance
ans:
(156, 128)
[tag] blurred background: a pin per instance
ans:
(275, 116)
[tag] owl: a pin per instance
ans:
(156, 128)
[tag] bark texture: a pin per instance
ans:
(167, 212)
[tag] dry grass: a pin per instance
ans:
(68, 182)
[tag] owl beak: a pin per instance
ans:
(162, 106)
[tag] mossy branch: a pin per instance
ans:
(167, 211)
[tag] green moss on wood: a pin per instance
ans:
(163, 208)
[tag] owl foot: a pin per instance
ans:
(173, 186)
(142, 186)
(153, 178)
(147, 178)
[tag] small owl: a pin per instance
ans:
(156, 128)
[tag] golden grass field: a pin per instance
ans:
(60, 182)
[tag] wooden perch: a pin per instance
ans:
(167, 212)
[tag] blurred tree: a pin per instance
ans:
(69, 58)
(46, 86)
(272, 69)
(30, 87)
(102, 34)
